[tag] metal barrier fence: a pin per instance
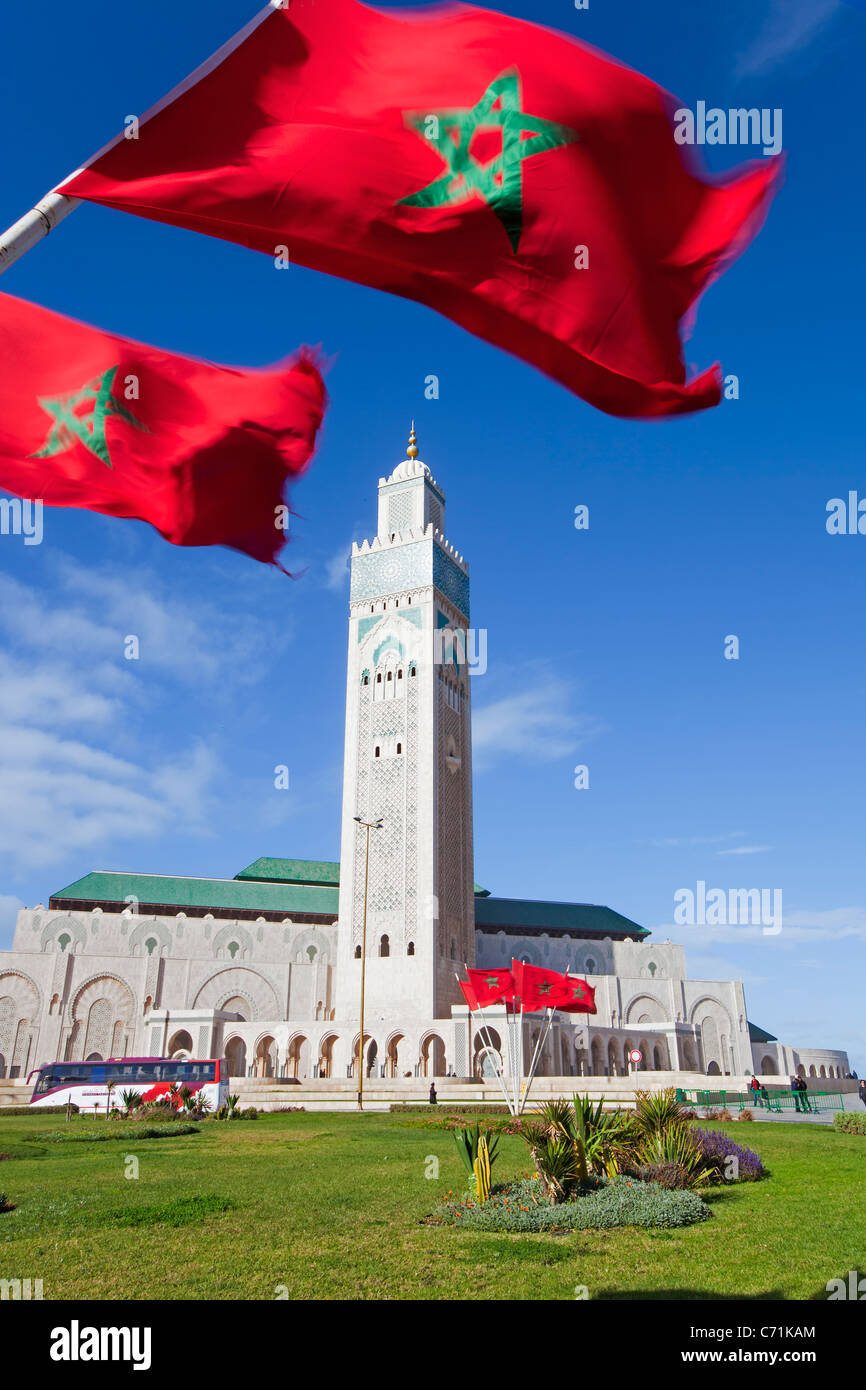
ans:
(775, 1101)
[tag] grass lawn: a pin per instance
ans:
(329, 1206)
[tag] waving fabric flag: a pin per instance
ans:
(581, 997)
(539, 988)
(201, 452)
(489, 986)
(514, 179)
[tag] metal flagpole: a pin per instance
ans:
(486, 1029)
(33, 226)
(542, 1039)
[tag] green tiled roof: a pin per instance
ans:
(522, 914)
(757, 1035)
(311, 871)
(227, 893)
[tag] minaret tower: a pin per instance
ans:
(407, 760)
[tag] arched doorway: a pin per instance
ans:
(484, 1062)
(367, 1047)
(326, 1055)
(596, 1053)
(612, 1058)
(658, 1064)
(236, 1057)
(93, 1057)
(180, 1045)
(392, 1062)
(432, 1061)
(713, 1069)
(266, 1057)
(298, 1058)
(768, 1066)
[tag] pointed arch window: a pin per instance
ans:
(357, 953)
(384, 946)
(410, 949)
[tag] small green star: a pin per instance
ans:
(88, 428)
(500, 181)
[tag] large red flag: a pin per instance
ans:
(202, 452)
(516, 180)
(490, 986)
(581, 997)
(539, 988)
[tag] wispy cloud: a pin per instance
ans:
(75, 775)
(746, 849)
(798, 927)
(536, 723)
(788, 29)
(688, 841)
(336, 570)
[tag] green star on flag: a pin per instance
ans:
(500, 181)
(89, 428)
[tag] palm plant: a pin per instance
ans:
(557, 1159)
(131, 1100)
(231, 1106)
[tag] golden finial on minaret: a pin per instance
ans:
(412, 451)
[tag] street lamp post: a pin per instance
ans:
(368, 825)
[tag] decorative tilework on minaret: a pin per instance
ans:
(407, 760)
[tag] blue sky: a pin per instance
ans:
(605, 646)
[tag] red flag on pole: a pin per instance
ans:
(581, 997)
(520, 182)
(491, 986)
(539, 988)
(469, 995)
(201, 452)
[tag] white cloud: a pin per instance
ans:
(61, 795)
(74, 776)
(678, 843)
(788, 28)
(798, 928)
(337, 568)
(746, 849)
(9, 909)
(537, 722)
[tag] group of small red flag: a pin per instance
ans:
(530, 987)
(516, 180)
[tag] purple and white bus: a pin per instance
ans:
(86, 1084)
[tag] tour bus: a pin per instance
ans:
(86, 1084)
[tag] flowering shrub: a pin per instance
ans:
(600, 1204)
(716, 1148)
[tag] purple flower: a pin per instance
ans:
(716, 1148)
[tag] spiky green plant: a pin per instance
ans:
(657, 1111)
(675, 1144)
(467, 1140)
(556, 1159)
(131, 1100)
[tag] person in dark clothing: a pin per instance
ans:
(795, 1092)
(433, 1097)
(804, 1096)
